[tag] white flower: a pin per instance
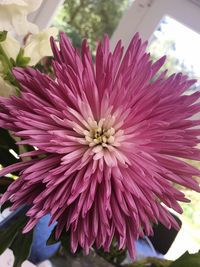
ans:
(13, 15)
(6, 88)
(7, 258)
(38, 45)
(10, 46)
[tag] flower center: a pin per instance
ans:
(100, 133)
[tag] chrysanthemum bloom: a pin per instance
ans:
(110, 137)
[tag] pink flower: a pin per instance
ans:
(113, 136)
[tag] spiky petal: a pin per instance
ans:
(113, 136)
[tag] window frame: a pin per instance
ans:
(44, 15)
(145, 15)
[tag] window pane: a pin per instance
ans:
(181, 45)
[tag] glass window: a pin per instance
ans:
(181, 45)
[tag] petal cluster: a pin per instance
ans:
(110, 136)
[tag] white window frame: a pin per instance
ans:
(144, 17)
(44, 15)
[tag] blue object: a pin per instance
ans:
(144, 249)
(40, 251)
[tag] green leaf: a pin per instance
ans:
(6, 158)
(114, 256)
(150, 262)
(6, 143)
(65, 242)
(51, 240)
(10, 227)
(187, 260)
(22, 61)
(5, 58)
(6, 238)
(64, 239)
(4, 62)
(4, 184)
(3, 35)
(21, 247)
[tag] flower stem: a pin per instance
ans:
(5, 57)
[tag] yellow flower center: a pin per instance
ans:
(100, 134)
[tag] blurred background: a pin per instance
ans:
(172, 28)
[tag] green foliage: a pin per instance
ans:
(6, 237)
(9, 230)
(21, 247)
(11, 236)
(7, 143)
(52, 240)
(187, 260)
(114, 256)
(89, 19)
(21, 60)
(150, 262)
(3, 35)
(4, 183)
(65, 242)
(9, 63)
